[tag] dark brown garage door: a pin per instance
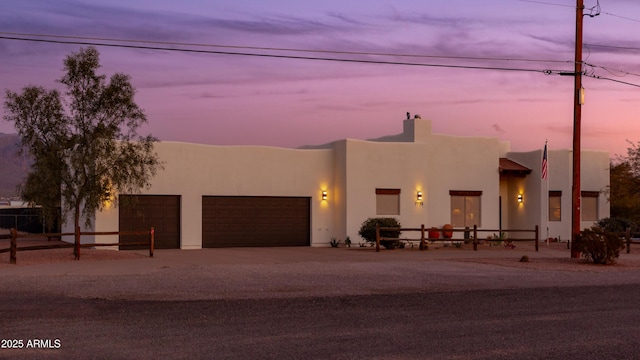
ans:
(141, 212)
(229, 221)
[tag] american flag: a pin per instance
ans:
(544, 162)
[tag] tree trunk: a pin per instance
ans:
(76, 227)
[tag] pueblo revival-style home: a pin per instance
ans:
(228, 196)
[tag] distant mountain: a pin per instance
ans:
(13, 168)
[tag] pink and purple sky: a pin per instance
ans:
(237, 100)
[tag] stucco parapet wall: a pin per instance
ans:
(172, 150)
(240, 170)
(240, 147)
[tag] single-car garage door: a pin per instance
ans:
(141, 212)
(229, 221)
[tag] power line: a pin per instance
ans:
(613, 47)
(279, 49)
(614, 80)
(379, 62)
(612, 71)
(622, 17)
(596, 7)
(548, 3)
(200, 51)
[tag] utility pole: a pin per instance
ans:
(577, 118)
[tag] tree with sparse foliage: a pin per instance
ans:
(84, 143)
(624, 189)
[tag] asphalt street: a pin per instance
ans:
(599, 322)
(320, 303)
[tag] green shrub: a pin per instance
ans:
(368, 231)
(599, 245)
(616, 224)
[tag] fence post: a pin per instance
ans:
(14, 245)
(627, 236)
(152, 241)
(537, 238)
(377, 238)
(422, 244)
(77, 243)
(475, 237)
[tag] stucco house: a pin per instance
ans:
(224, 196)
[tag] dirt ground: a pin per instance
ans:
(49, 256)
(552, 256)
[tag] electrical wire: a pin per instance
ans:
(614, 72)
(622, 17)
(613, 47)
(200, 51)
(614, 80)
(547, 3)
(279, 49)
(594, 10)
(589, 73)
(597, 7)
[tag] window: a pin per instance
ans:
(388, 201)
(589, 205)
(555, 207)
(465, 208)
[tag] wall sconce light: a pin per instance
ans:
(419, 198)
(324, 195)
(520, 198)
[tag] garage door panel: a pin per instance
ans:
(141, 212)
(229, 221)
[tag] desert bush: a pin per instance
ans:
(616, 224)
(599, 245)
(334, 242)
(368, 231)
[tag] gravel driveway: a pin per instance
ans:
(302, 271)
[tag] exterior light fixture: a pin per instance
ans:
(324, 195)
(520, 198)
(419, 198)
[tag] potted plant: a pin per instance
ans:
(447, 231)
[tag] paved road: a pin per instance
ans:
(299, 303)
(542, 323)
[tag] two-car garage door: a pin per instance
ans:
(229, 221)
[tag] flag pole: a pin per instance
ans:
(546, 157)
(545, 179)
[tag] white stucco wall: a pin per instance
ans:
(433, 164)
(351, 170)
(193, 171)
(463, 163)
(594, 177)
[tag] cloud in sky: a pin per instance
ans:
(343, 99)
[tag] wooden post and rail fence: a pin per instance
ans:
(423, 239)
(630, 238)
(13, 236)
